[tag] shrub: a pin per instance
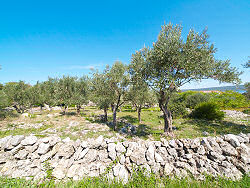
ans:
(246, 111)
(208, 110)
(230, 99)
(177, 107)
(195, 99)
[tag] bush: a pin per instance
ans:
(195, 99)
(230, 99)
(246, 111)
(177, 107)
(208, 111)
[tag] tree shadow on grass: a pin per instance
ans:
(218, 127)
(4, 114)
(143, 130)
(130, 119)
(68, 113)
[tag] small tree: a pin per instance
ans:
(17, 93)
(139, 92)
(80, 91)
(101, 92)
(247, 84)
(173, 62)
(65, 91)
(118, 80)
(49, 91)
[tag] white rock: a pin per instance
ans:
(29, 140)
(83, 153)
(158, 158)
(73, 170)
(168, 169)
(121, 173)
(66, 140)
(84, 144)
(150, 153)
(43, 148)
(59, 172)
(120, 148)
(15, 140)
(25, 115)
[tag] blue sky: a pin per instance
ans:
(52, 38)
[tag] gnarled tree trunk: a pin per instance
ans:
(105, 114)
(167, 120)
(114, 117)
(139, 113)
(78, 109)
(163, 104)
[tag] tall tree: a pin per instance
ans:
(172, 62)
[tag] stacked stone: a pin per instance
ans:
(227, 155)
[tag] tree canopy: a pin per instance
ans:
(173, 61)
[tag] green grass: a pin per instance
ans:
(152, 124)
(20, 131)
(137, 180)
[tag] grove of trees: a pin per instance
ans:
(155, 74)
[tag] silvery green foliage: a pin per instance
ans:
(100, 90)
(173, 61)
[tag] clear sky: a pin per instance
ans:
(52, 38)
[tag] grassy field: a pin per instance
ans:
(88, 125)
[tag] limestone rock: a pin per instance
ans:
(43, 148)
(59, 172)
(121, 173)
(168, 168)
(150, 153)
(138, 156)
(232, 139)
(120, 148)
(66, 150)
(15, 140)
(83, 153)
(29, 140)
(228, 149)
(73, 170)
(112, 151)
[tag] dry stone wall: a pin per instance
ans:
(21, 156)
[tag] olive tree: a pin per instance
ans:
(17, 93)
(173, 61)
(80, 92)
(65, 90)
(101, 92)
(48, 91)
(139, 93)
(118, 80)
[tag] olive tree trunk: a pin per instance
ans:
(78, 109)
(164, 99)
(105, 114)
(167, 120)
(114, 117)
(139, 113)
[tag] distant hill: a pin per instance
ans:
(239, 88)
